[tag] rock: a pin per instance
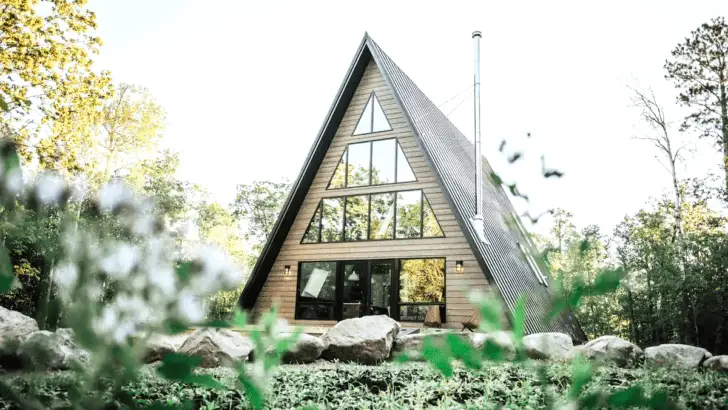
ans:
(499, 338)
(158, 346)
(306, 350)
(676, 355)
(366, 340)
(717, 363)
(44, 350)
(217, 347)
(548, 346)
(412, 344)
(14, 328)
(613, 349)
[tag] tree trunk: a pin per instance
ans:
(46, 284)
(724, 124)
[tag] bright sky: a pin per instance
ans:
(247, 84)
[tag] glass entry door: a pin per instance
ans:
(380, 288)
(354, 279)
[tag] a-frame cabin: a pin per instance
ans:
(377, 220)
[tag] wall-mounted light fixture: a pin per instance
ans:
(459, 267)
(287, 270)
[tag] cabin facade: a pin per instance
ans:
(376, 222)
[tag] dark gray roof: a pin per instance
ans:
(451, 155)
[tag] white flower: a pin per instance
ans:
(14, 181)
(112, 195)
(120, 261)
(65, 274)
(190, 307)
(165, 279)
(49, 189)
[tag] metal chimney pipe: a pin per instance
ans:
(477, 219)
(478, 161)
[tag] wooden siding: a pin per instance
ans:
(453, 247)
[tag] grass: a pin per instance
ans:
(399, 386)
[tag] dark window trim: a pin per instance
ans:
(423, 197)
(397, 147)
(395, 304)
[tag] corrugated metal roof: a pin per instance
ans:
(450, 154)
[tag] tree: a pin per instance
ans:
(47, 82)
(699, 69)
(131, 126)
(258, 204)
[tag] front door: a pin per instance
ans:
(354, 276)
(379, 301)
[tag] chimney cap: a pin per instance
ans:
(476, 33)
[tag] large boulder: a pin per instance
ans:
(676, 355)
(412, 344)
(159, 345)
(613, 349)
(14, 328)
(548, 346)
(217, 347)
(501, 339)
(366, 340)
(306, 350)
(717, 363)
(44, 350)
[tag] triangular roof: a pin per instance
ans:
(450, 154)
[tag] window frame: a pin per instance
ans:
(372, 97)
(369, 219)
(394, 289)
(533, 265)
(345, 158)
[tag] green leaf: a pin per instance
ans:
(632, 396)
(403, 357)
(178, 366)
(581, 373)
(175, 326)
(218, 324)
(607, 281)
(3, 105)
(492, 351)
(240, 319)
(204, 380)
(519, 318)
(490, 315)
(464, 351)
(439, 357)
(252, 391)
(7, 277)
(495, 178)
(184, 270)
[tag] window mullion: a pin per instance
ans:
(369, 217)
(321, 219)
(371, 154)
(346, 168)
(422, 213)
(343, 225)
(396, 175)
(394, 218)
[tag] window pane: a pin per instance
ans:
(430, 227)
(364, 126)
(383, 161)
(381, 278)
(317, 290)
(422, 280)
(337, 180)
(404, 172)
(382, 219)
(332, 224)
(359, 155)
(312, 232)
(357, 216)
(353, 295)
(318, 281)
(380, 122)
(415, 313)
(409, 212)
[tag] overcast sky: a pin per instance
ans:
(247, 84)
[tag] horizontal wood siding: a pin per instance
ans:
(282, 289)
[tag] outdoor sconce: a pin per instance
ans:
(287, 270)
(459, 267)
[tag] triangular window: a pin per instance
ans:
(373, 118)
(338, 180)
(313, 232)
(430, 226)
